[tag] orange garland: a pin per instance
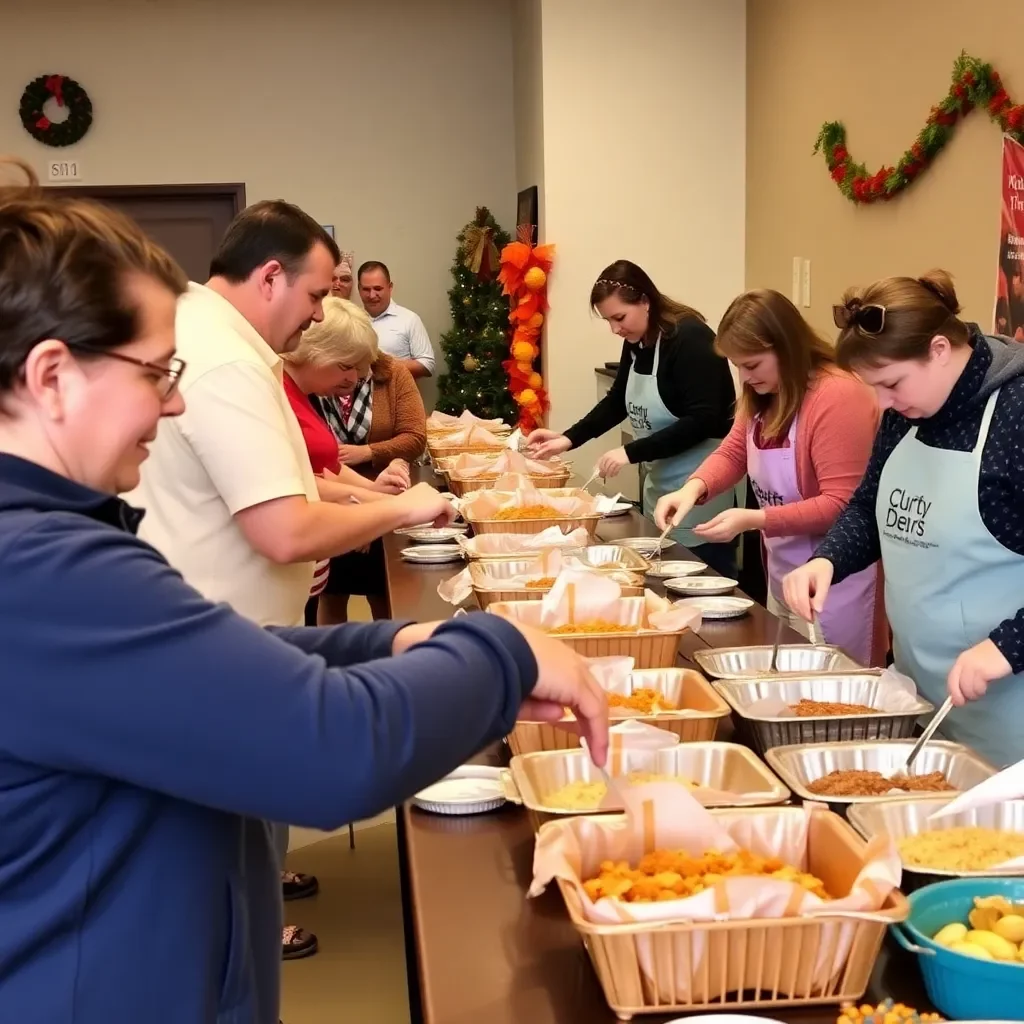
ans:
(523, 276)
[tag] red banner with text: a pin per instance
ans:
(1009, 317)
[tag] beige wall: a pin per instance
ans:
(643, 160)
(879, 69)
(392, 121)
(528, 98)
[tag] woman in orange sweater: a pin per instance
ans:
(803, 434)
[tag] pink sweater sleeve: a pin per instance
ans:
(837, 428)
(726, 466)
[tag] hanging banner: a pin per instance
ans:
(1009, 316)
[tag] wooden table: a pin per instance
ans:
(480, 952)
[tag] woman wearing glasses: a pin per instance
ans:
(942, 503)
(802, 435)
(137, 716)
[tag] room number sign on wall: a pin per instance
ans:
(64, 170)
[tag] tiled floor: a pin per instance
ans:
(359, 973)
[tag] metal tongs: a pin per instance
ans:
(590, 479)
(929, 732)
(774, 666)
(661, 540)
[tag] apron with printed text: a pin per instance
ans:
(849, 614)
(948, 584)
(647, 415)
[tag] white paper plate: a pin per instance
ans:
(435, 534)
(701, 585)
(433, 553)
(410, 531)
(725, 1018)
(719, 607)
(672, 569)
(644, 544)
(471, 789)
(620, 508)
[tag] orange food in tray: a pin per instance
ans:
(544, 583)
(643, 699)
(595, 626)
(818, 708)
(529, 512)
(675, 874)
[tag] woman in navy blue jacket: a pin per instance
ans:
(136, 716)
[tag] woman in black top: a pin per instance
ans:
(676, 391)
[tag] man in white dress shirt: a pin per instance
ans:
(400, 331)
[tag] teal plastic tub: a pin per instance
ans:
(960, 987)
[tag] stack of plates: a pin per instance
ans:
(620, 508)
(719, 607)
(434, 534)
(645, 545)
(471, 789)
(672, 569)
(703, 585)
(433, 553)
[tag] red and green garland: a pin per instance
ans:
(524, 279)
(974, 84)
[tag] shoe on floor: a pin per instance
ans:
(297, 942)
(298, 887)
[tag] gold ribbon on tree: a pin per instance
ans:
(479, 253)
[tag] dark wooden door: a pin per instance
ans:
(187, 220)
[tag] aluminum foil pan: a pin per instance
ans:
(798, 766)
(609, 557)
(861, 688)
(753, 662)
(726, 767)
(900, 818)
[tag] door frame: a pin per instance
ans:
(233, 190)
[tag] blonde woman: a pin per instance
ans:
(357, 407)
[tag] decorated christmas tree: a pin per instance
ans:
(478, 341)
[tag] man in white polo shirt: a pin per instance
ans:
(400, 331)
(230, 496)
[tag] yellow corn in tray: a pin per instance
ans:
(961, 849)
(587, 796)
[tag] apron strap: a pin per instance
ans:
(986, 423)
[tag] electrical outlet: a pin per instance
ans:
(797, 276)
(806, 288)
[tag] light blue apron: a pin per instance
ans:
(647, 415)
(948, 583)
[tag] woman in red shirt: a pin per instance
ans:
(802, 435)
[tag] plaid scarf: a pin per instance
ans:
(349, 419)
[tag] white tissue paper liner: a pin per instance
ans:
(664, 815)
(486, 504)
(896, 694)
(465, 418)
(614, 674)
(514, 543)
(470, 435)
(580, 596)
(456, 589)
(515, 440)
(468, 465)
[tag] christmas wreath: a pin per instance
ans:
(68, 93)
(974, 84)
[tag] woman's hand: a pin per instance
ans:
(543, 444)
(394, 478)
(729, 524)
(971, 673)
(611, 463)
(676, 506)
(804, 590)
(354, 454)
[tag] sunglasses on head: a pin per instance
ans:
(869, 319)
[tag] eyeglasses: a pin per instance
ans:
(170, 375)
(869, 319)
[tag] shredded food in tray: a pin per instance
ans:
(587, 796)
(675, 874)
(968, 848)
(823, 708)
(595, 626)
(543, 583)
(642, 699)
(529, 512)
(856, 782)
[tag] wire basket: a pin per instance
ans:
(669, 967)
(695, 693)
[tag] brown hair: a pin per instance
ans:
(63, 268)
(766, 321)
(631, 284)
(916, 310)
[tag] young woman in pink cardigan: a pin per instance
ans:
(803, 433)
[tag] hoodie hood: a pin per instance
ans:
(28, 487)
(1007, 364)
